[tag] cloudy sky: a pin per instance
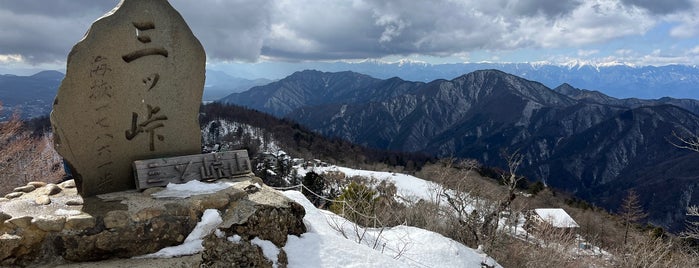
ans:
(38, 34)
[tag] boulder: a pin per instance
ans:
(126, 224)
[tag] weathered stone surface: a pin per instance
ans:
(79, 222)
(147, 214)
(116, 219)
(25, 189)
(37, 184)
(222, 253)
(21, 222)
(179, 262)
(49, 223)
(74, 202)
(268, 222)
(52, 189)
(69, 184)
(153, 190)
(132, 91)
(105, 227)
(8, 244)
(43, 200)
(4, 216)
(13, 195)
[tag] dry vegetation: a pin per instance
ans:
(25, 157)
(472, 199)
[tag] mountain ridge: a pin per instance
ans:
(614, 79)
(477, 114)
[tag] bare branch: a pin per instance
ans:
(690, 143)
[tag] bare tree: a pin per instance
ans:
(686, 142)
(631, 211)
(510, 179)
(692, 230)
(690, 143)
(24, 158)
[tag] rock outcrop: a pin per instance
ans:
(69, 230)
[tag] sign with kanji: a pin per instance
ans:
(180, 169)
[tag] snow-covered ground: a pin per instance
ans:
(332, 241)
(408, 187)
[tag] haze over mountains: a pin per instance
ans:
(585, 142)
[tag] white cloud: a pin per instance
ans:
(11, 58)
(299, 30)
(587, 53)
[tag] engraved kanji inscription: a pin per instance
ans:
(141, 36)
(100, 67)
(151, 123)
(151, 80)
(212, 170)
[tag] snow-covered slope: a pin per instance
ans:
(332, 241)
(325, 245)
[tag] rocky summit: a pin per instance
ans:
(49, 224)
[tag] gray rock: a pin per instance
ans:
(37, 184)
(221, 253)
(42, 200)
(79, 222)
(52, 189)
(67, 184)
(132, 91)
(116, 219)
(106, 228)
(74, 202)
(4, 216)
(25, 189)
(14, 195)
(49, 223)
(21, 222)
(8, 244)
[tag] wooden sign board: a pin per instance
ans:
(204, 167)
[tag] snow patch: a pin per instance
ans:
(402, 246)
(210, 220)
(234, 238)
(191, 188)
(268, 249)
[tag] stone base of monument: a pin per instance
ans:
(69, 230)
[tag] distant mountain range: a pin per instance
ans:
(613, 79)
(219, 84)
(33, 95)
(582, 141)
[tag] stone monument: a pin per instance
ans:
(132, 91)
